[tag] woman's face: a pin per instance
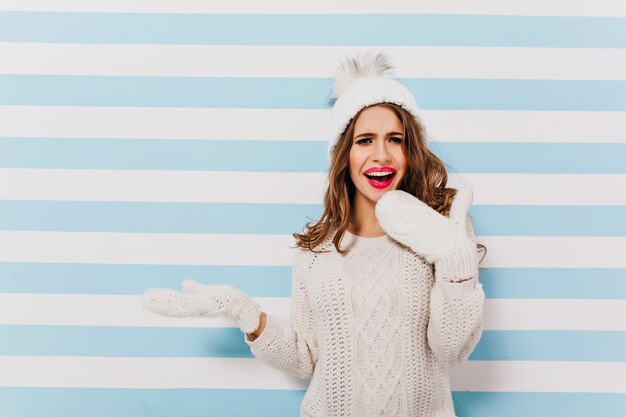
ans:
(377, 148)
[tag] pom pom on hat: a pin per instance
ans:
(362, 81)
(366, 65)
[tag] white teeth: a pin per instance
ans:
(378, 174)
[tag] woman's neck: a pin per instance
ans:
(363, 220)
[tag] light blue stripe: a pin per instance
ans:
(60, 278)
(264, 281)
(229, 343)
(538, 404)
(139, 154)
(299, 156)
(123, 341)
(164, 91)
(305, 93)
(537, 345)
(149, 217)
(533, 158)
(269, 281)
(570, 283)
(539, 220)
(107, 402)
(315, 29)
(489, 94)
(234, 218)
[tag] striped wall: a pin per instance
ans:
(143, 142)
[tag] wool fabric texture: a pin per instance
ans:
(376, 330)
(199, 300)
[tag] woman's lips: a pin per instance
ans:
(378, 182)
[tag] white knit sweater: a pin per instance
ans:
(376, 330)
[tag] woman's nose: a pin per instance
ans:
(381, 153)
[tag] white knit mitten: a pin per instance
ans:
(198, 300)
(439, 239)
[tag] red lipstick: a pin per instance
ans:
(380, 177)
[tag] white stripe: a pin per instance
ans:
(502, 7)
(539, 376)
(95, 372)
(95, 310)
(555, 314)
(287, 124)
(554, 252)
(525, 126)
(548, 189)
(310, 61)
(214, 249)
(288, 187)
(198, 186)
(174, 123)
(251, 373)
(146, 248)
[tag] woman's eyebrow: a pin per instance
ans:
(374, 134)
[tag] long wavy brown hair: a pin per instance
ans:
(425, 178)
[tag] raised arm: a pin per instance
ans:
(449, 243)
(456, 308)
(288, 345)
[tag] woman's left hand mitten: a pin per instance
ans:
(437, 238)
(199, 300)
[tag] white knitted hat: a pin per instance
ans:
(362, 81)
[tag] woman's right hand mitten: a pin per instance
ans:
(199, 300)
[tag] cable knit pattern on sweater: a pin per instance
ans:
(375, 330)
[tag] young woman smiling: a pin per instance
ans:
(385, 292)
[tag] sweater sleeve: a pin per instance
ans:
(456, 308)
(290, 345)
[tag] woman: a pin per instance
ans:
(385, 291)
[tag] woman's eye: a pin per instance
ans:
(395, 140)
